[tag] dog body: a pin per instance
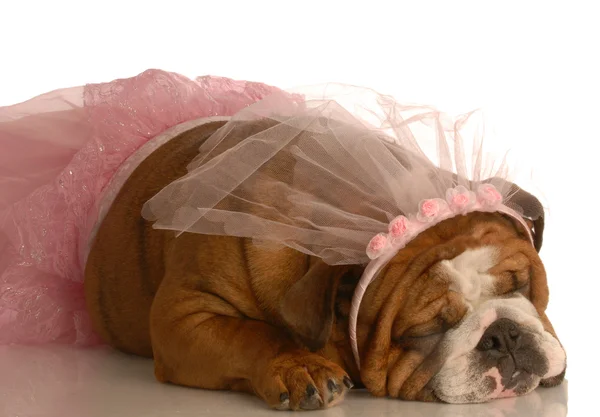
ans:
(146, 289)
(221, 312)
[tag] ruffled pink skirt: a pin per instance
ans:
(58, 152)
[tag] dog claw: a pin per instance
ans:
(332, 386)
(348, 382)
(284, 401)
(313, 399)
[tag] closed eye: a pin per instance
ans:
(420, 331)
(524, 290)
(514, 281)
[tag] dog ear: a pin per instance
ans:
(529, 206)
(307, 308)
(523, 202)
(533, 211)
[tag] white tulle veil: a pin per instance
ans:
(325, 170)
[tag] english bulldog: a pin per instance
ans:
(457, 316)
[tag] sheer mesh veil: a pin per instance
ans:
(325, 170)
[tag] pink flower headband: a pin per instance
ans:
(402, 229)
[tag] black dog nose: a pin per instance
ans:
(502, 336)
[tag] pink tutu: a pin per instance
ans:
(58, 152)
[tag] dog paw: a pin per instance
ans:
(303, 381)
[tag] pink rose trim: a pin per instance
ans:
(398, 227)
(377, 245)
(430, 209)
(489, 195)
(460, 199)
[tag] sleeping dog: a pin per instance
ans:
(456, 316)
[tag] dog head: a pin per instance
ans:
(459, 316)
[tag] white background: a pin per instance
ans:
(533, 66)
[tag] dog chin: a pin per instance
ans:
(478, 387)
(470, 375)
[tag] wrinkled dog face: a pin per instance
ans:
(464, 321)
(500, 348)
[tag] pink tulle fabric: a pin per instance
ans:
(58, 152)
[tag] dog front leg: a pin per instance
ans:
(223, 350)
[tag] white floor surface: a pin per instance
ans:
(67, 382)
